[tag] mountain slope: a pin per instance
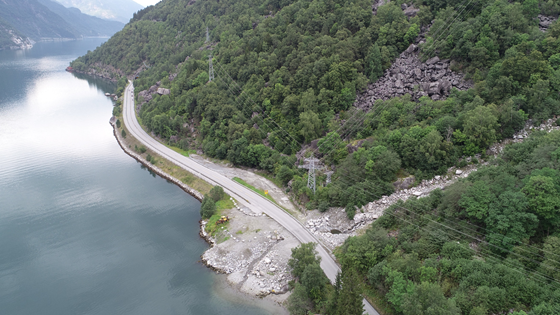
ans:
(85, 24)
(35, 20)
(118, 10)
(10, 38)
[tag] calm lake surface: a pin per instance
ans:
(83, 228)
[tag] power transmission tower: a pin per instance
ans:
(210, 69)
(207, 35)
(311, 174)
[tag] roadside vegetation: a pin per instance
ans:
(253, 188)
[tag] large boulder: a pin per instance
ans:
(162, 91)
(432, 61)
(404, 183)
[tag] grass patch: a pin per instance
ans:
(253, 188)
(225, 203)
(186, 153)
(239, 232)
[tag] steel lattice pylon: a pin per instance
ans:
(311, 174)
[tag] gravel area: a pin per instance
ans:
(253, 251)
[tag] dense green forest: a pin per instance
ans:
(487, 244)
(287, 74)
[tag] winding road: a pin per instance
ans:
(250, 199)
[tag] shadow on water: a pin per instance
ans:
(100, 84)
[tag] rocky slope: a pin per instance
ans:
(409, 75)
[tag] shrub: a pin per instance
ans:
(208, 207)
(184, 144)
(285, 174)
(123, 133)
(350, 211)
(118, 123)
(323, 206)
(148, 158)
(217, 193)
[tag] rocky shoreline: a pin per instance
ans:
(253, 251)
(152, 167)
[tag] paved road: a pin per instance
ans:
(252, 200)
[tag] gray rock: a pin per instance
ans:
(162, 91)
(432, 61)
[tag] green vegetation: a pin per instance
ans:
(212, 206)
(297, 66)
(253, 188)
(312, 291)
(488, 244)
(217, 193)
(208, 207)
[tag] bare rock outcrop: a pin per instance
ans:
(162, 91)
(546, 21)
(409, 75)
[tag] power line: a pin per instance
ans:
(210, 69)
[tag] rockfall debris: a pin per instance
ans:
(409, 75)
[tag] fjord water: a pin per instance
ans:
(83, 228)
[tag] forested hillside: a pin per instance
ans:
(287, 75)
(488, 244)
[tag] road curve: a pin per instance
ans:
(250, 199)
